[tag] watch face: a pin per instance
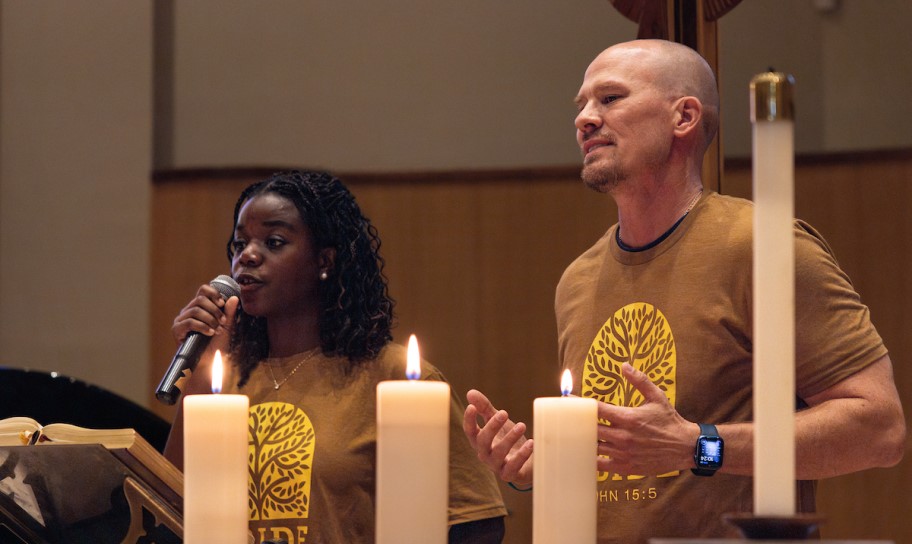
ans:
(709, 454)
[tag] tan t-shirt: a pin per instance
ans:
(681, 312)
(313, 451)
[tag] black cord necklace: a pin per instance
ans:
(660, 239)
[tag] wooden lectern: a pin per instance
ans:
(73, 493)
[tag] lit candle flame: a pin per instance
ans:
(217, 372)
(566, 383)
(413, 361)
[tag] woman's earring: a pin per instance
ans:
(324, 275)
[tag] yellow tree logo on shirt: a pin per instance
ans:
(637, 334)
(280, 461)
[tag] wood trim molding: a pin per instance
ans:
(833, 157)
(507, 174)
(484, 175)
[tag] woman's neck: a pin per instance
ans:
(289, 337)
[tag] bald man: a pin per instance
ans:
(654, 321)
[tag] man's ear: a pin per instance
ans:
(688, 116)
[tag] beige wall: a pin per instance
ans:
(868, 75)
(75, 148)
(755, 38)
(353, 86)
(389, 85)
(852, 69)
(408, 85)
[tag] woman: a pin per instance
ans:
(308, 341)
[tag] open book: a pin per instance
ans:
(25, 430)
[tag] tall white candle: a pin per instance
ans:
(413, 419)
(215, 465)
(564, 496)
(774, 295)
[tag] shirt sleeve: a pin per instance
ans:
(835, 337)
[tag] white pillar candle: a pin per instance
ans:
(413, 420)
(564, 496)
(215, 465)
(774, 295)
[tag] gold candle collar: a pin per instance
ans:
(772, 97)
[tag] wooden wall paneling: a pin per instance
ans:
(863, 208)
(531, 233)
(860, 205)
(429, 243)
(473, 267)
(191, 220)
(473, 263)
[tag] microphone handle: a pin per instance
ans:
(186, 357)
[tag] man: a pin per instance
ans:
(654, 321)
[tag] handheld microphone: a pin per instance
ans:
(194, 345)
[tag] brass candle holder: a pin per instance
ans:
(795, 527)
(771, 97)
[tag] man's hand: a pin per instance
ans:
(500, 444)
(648, 439)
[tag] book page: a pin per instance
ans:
(16, 431)
(66, 433)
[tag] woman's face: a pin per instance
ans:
(275, 260)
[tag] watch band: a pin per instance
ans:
(706, 431)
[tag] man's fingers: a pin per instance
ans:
(501, 448)
(481, 403)
(610, 413)
(470, 424)
(513, 465)
(485, 438)
(643, 384)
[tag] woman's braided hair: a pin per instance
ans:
(356, 311)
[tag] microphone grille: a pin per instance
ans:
(226, 286)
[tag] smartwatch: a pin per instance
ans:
(709, 450)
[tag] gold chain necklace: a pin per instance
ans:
(694, 201)
(279, 384)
